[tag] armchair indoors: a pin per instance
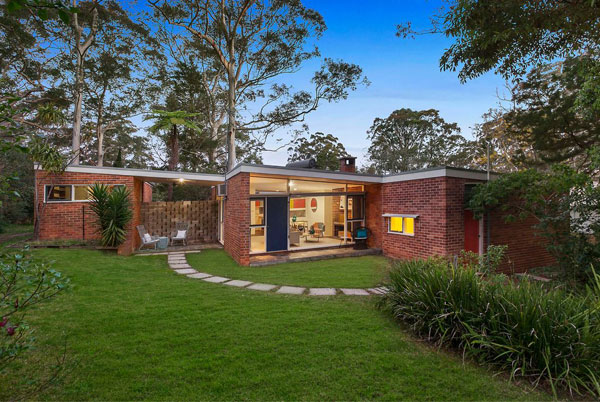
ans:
(318, 230)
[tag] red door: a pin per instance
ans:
(471, 232)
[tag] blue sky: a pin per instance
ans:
(404, 73)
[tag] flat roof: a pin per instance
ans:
(149, 174)
(270, 171)
(439, 171)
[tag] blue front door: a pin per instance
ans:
(277, 223)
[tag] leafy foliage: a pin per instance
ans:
(522, 328)
(565, 205)
(325, 148)
(408, 139)
(113, 211)
(512, 35)
(24, 282)
(555, 111)
(510, 150)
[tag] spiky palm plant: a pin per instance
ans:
(113, 210)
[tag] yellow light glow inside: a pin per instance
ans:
(409, 226)
(396, 224)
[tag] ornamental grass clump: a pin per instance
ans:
(542, 335)
(113, 211)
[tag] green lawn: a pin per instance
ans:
(14, 229)
(137, 330)
(354, 272)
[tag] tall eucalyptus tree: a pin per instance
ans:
(256, 42)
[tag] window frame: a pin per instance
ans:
(262, 226)
(403, 216)
(46, 186)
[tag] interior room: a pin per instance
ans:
(318, 212)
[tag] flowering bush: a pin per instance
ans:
(24, 282)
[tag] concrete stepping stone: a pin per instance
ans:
(377, 291)
(177, 259)
(186, 271)
(321, 291)
(355, 292)
(237, 283)
(216, 279)
(291, 290)
(263, 287)
(199, 275)
(180, 266)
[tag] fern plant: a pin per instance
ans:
(113, 211)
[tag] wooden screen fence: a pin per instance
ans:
(160, 219)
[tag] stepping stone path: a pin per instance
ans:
(291, 290)
(178, 263)
(355, 292)
(262, 287)
(186, 271)
(322, 291)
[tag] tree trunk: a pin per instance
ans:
(76, 135)
(214, 136)
(80, 49)
(231, 157)
(173, 158)
(100, 138)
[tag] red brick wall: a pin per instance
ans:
(75, 220)
(425, 198)
(147, 192)
(237, 219)
(439, 229)
(526, 248)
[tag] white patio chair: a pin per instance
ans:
(147, 240)
(180, 233)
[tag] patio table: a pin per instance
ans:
(163, 243)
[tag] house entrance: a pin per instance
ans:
(277, 228)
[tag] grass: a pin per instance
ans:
(354, 272)
(137, 330)
(14, 229)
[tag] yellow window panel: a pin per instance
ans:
(409, 226)
(396, 224)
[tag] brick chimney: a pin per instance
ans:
(348, 164)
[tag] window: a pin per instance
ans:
(58, 193)
(82, 193)
(257, 212)
(402, 224)
(70, 192)
(356, 210)
(264, 185)
(257, 226)
(312, 187)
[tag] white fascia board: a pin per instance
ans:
(149, 174)
(308, 173)
(427, 174)
(441, 172)
(400, 216)
(472, 175)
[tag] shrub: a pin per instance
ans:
(565, 205)
(113, 210)
(24, 282)
(522, 328)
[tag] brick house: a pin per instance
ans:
(273, 209)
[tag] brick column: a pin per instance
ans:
(236, 237)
